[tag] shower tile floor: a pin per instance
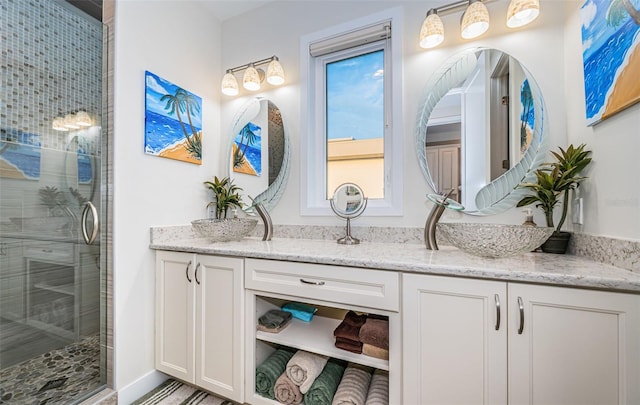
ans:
(57, 376)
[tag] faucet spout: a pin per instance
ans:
(440, 202)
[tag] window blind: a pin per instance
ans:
(351, 39)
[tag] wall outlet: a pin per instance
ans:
(577, 215)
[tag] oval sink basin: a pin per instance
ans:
(224, 230)
(494, 240)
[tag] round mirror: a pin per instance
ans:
(480, 130)
(348, 202)
(259, 153)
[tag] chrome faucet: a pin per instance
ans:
(440, 202)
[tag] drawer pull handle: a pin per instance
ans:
(186, 271)
(521, 309)
(47, 250)
(302, 280)
(196, 273)
(497, 298)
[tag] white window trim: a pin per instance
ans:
(313, 148)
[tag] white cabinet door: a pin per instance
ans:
(571, 346)
(175, 315)
(454, 341)
(219, 326)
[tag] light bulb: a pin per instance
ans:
(522, 12)
(275, 73)
(229, 84)
(432, 31)
(475, 20)
(251, 79)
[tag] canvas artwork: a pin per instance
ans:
(247, 150)
(20, 154)
(611, 56)
(173, 121)
(527, 117)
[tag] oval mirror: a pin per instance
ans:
(480, 130)
(259, 153)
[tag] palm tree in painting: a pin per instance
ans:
(248, 137)
(183, 102)
(619, 10)
(526, 99)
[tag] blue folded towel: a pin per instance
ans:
(300, 311)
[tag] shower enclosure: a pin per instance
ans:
(52, 261)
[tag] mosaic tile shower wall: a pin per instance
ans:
(51, 66)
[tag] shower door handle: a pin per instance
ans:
(85, 216)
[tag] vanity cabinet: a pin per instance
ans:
(12, 279)
(477, 341)
(334, 290)
(199, 313)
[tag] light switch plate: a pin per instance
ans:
(577, 216)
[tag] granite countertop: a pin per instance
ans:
(542, 268)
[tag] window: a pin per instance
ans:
(351, 114)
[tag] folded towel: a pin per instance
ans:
(286, 391)
(378, 389)
(304, 367)
(324, 387)
(269, 370)
(354, 319)
(373, 351)
(274, 320)
(300, 311)
(349, 345)
(375, 332)
(354, 385)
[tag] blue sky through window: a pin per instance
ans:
(355, 97)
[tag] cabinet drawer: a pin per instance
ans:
(50, 251)
(348, 285)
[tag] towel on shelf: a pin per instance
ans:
(379, 388)
(375, 332)
(274, 320)
(349, 345)
(304, 367)
(350, 326)
(373, 351)
(324, 387)
(286, 391)
(354, 386)
(269, 370)
(300, 311)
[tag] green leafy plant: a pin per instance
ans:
(226, 195)
(554, 182)
(54, 199)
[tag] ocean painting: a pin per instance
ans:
(19, 154)
(611, 56)
(527, 116)
(247, 150)
(173, 121)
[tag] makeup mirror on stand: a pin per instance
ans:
(348, 202)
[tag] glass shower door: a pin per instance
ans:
(52, 272)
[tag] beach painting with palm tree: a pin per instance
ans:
(247, 150)
(611, 56)
(173, 121)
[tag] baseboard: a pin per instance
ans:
(141, 386)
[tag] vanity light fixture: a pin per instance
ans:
(83, 119)
(58, 124)
(70, 121)
(475, 19)
(253, 76)
(74, 120)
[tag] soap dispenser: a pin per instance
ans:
(528, 217)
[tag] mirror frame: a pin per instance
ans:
(274, 191)
(500, 194)
(344, 213)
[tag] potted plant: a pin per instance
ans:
(554, 180)
(226, 195)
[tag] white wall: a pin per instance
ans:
(277, 27)
(178, 41)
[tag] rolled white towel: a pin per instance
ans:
(304, 367)
(378, 389)
(354, 385)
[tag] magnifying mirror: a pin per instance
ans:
(348, 202)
